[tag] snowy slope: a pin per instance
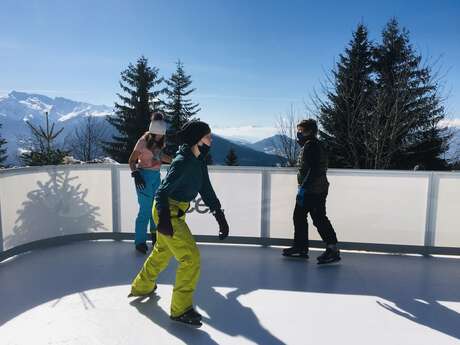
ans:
(18, 107)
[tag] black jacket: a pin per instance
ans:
(313, 162)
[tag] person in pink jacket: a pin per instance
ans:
(145, 163)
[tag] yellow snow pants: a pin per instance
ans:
(183, 247)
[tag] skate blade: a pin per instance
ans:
(139, 296)
(329, 261)
(297, 256)
(194, 324)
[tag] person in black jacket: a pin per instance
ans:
(313, 188)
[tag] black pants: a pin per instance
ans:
(315, 204)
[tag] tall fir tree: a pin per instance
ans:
(408, 107)
(383, 108)
(3, 155)
(140, 86)
(347, 103)
(231, 159)
(178, 107)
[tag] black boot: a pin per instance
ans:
(142, 248)
(190, 317)
(330, 255)
(296, 252)
(196, 314)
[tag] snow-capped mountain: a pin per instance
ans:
(254, 145)
(25, 106)
(18, 107)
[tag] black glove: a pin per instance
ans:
(223, 225)
(164, 223)
(138, 179)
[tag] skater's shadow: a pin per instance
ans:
(228, 315)
(429, 313)
(406, 286)
(148, 306)
(56, 207)
(223, 312)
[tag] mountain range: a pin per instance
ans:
(18, 107)
(269, 145)
(247, 156)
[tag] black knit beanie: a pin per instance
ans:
(192, 132)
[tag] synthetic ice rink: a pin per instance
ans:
(76, 294)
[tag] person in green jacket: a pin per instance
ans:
(186, 177)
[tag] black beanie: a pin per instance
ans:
(192, 132)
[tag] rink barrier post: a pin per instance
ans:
(265, 207)
(116, 207)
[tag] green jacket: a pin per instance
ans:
(313, 162)
(187, 176)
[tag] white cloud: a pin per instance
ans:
(450, 123)
(247, 133)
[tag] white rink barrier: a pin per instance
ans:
(370, 210)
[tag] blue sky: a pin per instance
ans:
(250, 60)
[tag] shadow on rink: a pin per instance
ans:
(412, 285)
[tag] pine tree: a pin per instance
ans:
(455, 165)
(231, 159)
(3, 155)
(383, 108)
(408, 107)
(178, 107)
(139, 84)
(347, 105)
(42, 149)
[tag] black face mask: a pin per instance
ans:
(301, 139)
(204, 150)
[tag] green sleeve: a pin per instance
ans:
(207, 192)
(170, 183)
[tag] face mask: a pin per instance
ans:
(204, 150)
(301, 139)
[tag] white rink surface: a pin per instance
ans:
(76, 294)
